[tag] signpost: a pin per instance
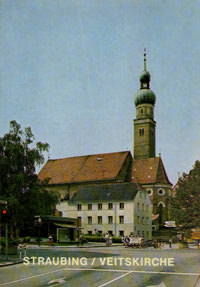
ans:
(170, 224)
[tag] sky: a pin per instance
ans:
(69, 69)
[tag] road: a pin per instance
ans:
(99, 267)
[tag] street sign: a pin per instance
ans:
(3, 202)
(170, 224)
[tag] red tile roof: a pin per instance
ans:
(90, 168)
(149, 171)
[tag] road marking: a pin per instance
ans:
(114, 279)
(59, 281)
(100, 270)
(162, 284)
(31, 277)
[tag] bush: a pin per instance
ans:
(95, 238)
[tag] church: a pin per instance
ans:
(119, 192)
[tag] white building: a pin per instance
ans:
(119, 209)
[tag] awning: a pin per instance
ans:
(64, 225)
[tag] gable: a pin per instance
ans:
(90, 168)
(149, 171)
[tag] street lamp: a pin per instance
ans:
(38, 223)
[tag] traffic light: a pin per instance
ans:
(4, 215)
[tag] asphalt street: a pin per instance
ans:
(99, 267)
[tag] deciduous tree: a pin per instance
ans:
(185, 205)
(19, 183)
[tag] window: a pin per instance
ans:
(79, 221)
(89, 206)
(138, 220)
(161, 192)
(147, 220)
(79, 207)
(110, 232)
(121, 219)
(99, 232)
(110, 205)
(138, 206)
(89, 232)
(141, 131)
(142, 220)
(100, 206)
(150, 192)
(89, 219)
(110, 219)
(99, 219)
(121, 205)
(121, 233)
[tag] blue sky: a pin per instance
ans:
(70, 69)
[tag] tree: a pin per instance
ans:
(19, 184)
(185, 206)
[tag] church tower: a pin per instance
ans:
(144, 124)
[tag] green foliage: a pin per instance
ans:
(185, 206)
(19, 184)
(96, 238)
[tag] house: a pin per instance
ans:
(119, 209)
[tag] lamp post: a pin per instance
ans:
(38, 222)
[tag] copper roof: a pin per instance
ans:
(149, 171)
(84, 168)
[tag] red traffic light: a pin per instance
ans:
(4, 211)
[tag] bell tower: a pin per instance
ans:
(144, 124)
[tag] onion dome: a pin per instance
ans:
(145, 77)
(144, 96)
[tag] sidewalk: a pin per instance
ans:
(10, 260)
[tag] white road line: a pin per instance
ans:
(100, 270)
(27, 278)
(114, 279)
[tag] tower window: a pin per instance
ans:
(141, 131)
